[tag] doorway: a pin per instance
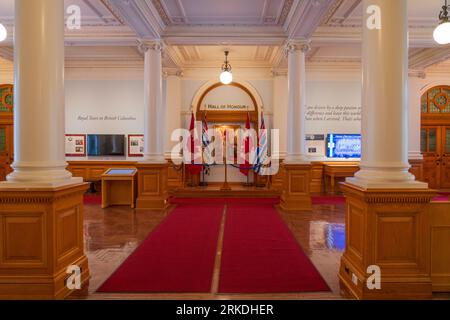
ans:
(435, 137)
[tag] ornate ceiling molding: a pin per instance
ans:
(287, 6)
(306, 17)
(162, 12)
(116, 14)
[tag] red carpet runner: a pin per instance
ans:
(260, 255)
(177, 257)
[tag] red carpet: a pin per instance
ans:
(328, 200)
(92, 199)
(260, 255)
(177, 257)
(222, 201)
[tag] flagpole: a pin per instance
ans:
(225, 186)
(203, 183)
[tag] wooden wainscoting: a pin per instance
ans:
(93, 170)
(316, 186)
(296, 187)
(41, 234)
(440, 242)
(389, 229)
(152, 186)
(175, 176)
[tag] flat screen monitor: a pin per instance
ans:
(344, 146)
(105, 145)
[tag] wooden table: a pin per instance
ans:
(333, 170)
(119, 187)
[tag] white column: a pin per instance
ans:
(296, 146)
(153, 103)
(173, 109)
(280, 110)
(414, 117)
(385, 99)
(39, 95)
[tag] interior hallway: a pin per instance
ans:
(112, 234)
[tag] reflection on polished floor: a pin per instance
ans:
(112, 234)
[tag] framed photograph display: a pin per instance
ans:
(136, 145)
(75, 145)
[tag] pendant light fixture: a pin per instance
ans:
(226, 77)
(442, 32)
(3, 33)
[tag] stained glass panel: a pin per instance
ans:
(433, 92)
(2, 140)
(6, 98)
(433, 108)
(423, 140)
(424, 103)
(432, 140)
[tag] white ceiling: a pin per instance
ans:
(420, 12)
(94, 12)
(198, 31)
(229, 12)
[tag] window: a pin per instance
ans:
(436, 100)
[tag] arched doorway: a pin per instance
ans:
(222, 115)
(435, 136)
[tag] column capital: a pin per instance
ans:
(292, 46)
(145, 45)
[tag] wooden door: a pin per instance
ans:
(431, 144)
(445, 158)
(6, 150)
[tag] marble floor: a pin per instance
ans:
(112, 234)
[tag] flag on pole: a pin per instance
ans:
(245, 167)
(207, 158)
(262, 145)
(192, 167)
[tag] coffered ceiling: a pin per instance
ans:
(196, 32)
(230, 12)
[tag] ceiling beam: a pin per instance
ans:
(141, 16)
(306, 17)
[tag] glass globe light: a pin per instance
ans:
(226, 77)
(442, 33)
(3, 33)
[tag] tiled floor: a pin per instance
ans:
(112, 234)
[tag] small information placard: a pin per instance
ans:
(136, 145)
(75, 145)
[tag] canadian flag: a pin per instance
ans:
(192, 167)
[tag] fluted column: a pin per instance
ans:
(296, 147)
(384, 103)
(154, 123)
(39, 157)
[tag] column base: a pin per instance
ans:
(152, 186)
(296, 187)
(389, 229)
(42, 235)
(385, 178)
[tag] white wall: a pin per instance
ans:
(6, 72)
(104, 107)
(333, 107)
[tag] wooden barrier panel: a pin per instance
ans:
(389, 229)
(440, 246)
(41, 235)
